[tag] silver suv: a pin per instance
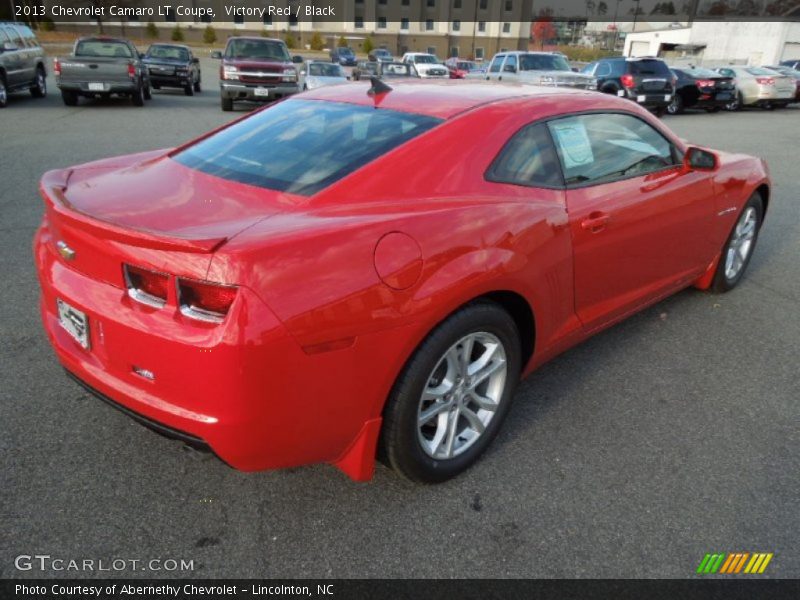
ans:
(21, 62)
(541, 68)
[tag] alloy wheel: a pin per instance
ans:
(741, 243)
(461, 395)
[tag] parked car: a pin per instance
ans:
(173, 65)
(757, 86)
(540, 68)
(792, 73)
(102, 66)
(256, 69)
(316, 74)
(365, 69)
(459, 68)
(358, 270)
(794, 63)
(22, 62)
(397, 69)
(700, 88)
(646, 81)
(344, 56)
(382, 55)
(427, 66)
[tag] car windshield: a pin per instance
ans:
(302, 146)
(103, 48)
(543, 62)
(264, 49)
(325, 70)
(382, 52)
(345, 52)
(426, 58)
(466, 66)
(172, 52)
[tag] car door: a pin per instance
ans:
(495, 68)
(640, 222)
(510, 69)
(14, 60)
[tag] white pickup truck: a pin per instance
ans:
(428, 66)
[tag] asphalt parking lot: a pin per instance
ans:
(673, 434)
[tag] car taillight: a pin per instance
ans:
(765, 81)
(205, 301)
(627, 80)
(131, 71)
(145, 286)
(705, 83)
(56, 67)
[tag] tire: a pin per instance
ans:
(3, 92)
(735, 254)
(781, 105)
(197, 85)
(189, 89)
(156, 86)
(39, 89)
(736, 104)
(148, 94)
(768, 106)
(661, 111)
(138, 96)
(69, 98)
(226, 103)
(676, 106)
(458, 429)
(610, 89)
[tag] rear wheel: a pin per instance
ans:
(227, 104)
(69, 98)
(3, 92)
(148, 95)
(138, 96)
(736, 103)
(453, 394)
(676, 106)
(39, 89)
(156, 86)
(739, 246)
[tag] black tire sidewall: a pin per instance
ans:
(400, 444)
(3, 102)
(721, 283)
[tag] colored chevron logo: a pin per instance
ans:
(734, 563)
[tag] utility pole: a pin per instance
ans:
(635, 15)
(13, 10)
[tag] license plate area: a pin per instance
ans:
(74, 322)
(97, 87)
(261, 92)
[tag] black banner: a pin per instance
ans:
(109, 589)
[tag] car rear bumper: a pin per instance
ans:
(82, 87)
(649, 99)
(241, 91)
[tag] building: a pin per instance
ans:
(719, 43)
(466, 28)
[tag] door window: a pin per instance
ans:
(511, 64)
(496, 63)
(599, 148)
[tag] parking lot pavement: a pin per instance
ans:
(671, 435)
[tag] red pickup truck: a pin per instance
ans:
(256, 69)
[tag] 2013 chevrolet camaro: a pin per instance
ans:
(358, 271)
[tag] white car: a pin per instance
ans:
(541, 68)
(428, 66)
(316, 74)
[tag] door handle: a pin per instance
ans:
(596, 222)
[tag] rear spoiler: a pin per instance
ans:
(53, 187)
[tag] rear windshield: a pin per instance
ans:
(760, 71)
(303, 146)
(700, 72)
(466, 66)
(103, 48)
(649, 67)
(543, 62)
(325, 70)
(264, 49)
(172, 52)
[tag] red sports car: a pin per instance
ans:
(358, 267)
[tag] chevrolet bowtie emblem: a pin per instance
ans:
(65, 251)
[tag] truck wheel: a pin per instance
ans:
(188, 89)
(138, 96)
(3, 93)
(148, 95)
(676, 106)
(156, 87)
(39, 89)
(69, 98)
(197, 87)
(227, 104)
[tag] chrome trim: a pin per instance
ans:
(200, 314)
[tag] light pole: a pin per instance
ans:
(635, 15)
(13, 10)
(616, 26)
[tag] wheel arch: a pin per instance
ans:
(763, 191)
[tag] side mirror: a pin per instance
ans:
(216, 54)
(697, 159)
(297, 59)
(195, 60)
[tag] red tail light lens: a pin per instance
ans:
(765, 81)
(205, 301)
(705, 83)
(627, 80)
(145, 286)
(56, 67)
(131, 71)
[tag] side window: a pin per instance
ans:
(527, 159)
(599, 148)
(16, 38)
(727, 73)
(511, 64)
(4, 36)
(589, 69)
(603, 70)
(27, 36)
(498, 60)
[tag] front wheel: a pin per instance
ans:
(226, 103)
(739, 246)
(453, 394)
(188, 89)
(197, 86)
(736, 103)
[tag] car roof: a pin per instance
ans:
(445, 99)
(254, 37)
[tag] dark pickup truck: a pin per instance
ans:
(256, 69)
(102, 66)
(173, 65)
(21, 62)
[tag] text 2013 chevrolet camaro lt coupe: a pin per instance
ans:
(365, 271)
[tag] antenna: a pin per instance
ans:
(378, 86)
